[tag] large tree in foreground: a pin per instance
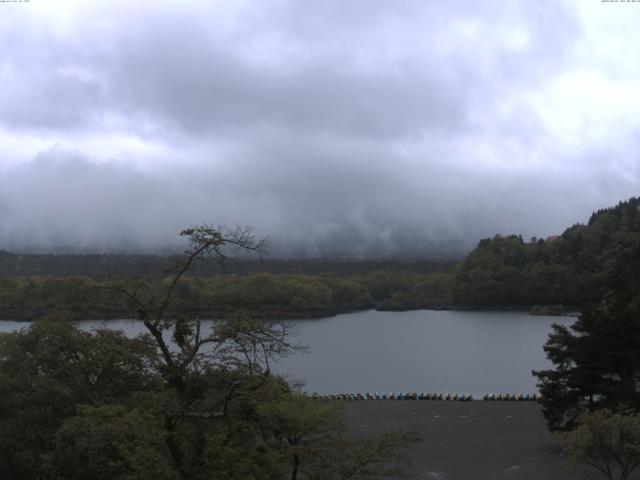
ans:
(597, 359)
(206, 372)
(180, 402)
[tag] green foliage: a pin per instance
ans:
(607, 441)
(50, 368)
(109, 442)
(429, 291)
(34, 297)
(571, 270)
(382, 284)
(92, 405)
(264, 294)
(399, 290)
(79, 405)
(271, 292)
(105, 266)
(597, 360)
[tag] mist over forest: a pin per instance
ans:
(55, 204)
(342, 129)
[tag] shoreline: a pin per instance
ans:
(309, 315)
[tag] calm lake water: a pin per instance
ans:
(420, 350)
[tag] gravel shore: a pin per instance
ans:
(470, 440)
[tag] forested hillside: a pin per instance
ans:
(570, 269)
(32, 286)
(547, 275)
(108, 265)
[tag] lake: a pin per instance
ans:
(420, 350)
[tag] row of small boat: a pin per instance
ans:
(510, 397)
(398, 396)
(460, 397)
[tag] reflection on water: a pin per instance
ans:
(421, 350)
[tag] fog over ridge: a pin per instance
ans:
(340, 128)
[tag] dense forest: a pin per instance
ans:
(570, 269)
(275, 289)
(105, 266)
(597, 359)
(545, 275)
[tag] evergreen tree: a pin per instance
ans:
(597, 360)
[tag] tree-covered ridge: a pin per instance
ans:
(570, 269)
(505, 271)
(35, 285)
(104, 266)
(261, 295)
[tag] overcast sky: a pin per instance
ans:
(356, 126)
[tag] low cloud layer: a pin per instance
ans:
(345, 128)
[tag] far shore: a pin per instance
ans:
(29, 316)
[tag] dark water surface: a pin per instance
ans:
(421, 350)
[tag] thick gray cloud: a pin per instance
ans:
(344, 127)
